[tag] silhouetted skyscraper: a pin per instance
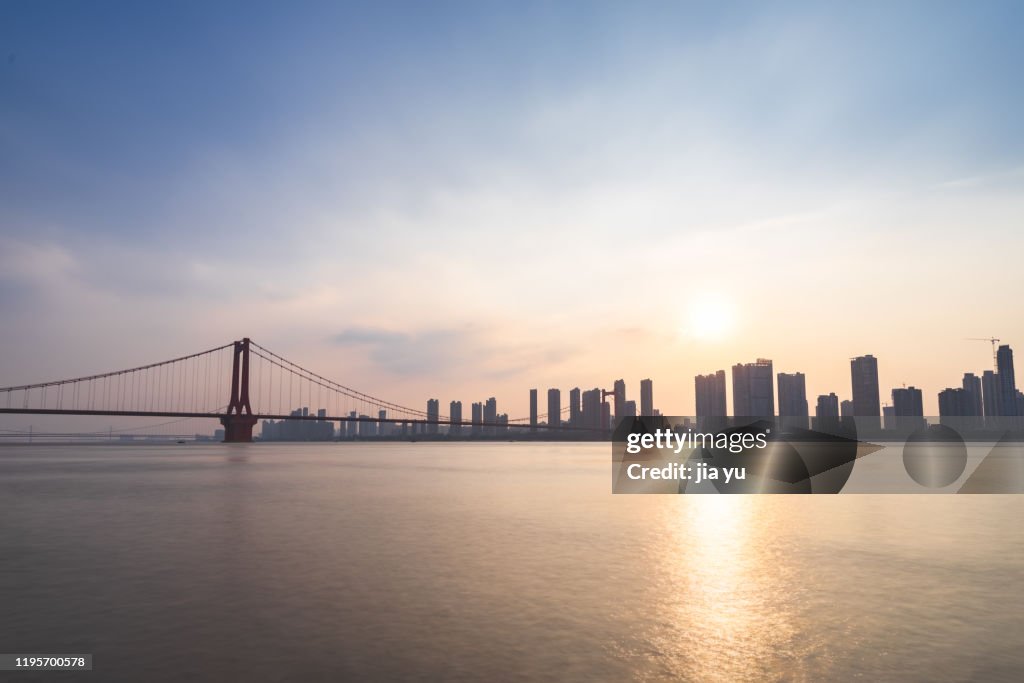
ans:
(477, 418)
(972, 387)
(888, 417)
(952, 402)
(908, 407)
(490, 415)
(433, 415)
(992, 391)
(554, 408)
(575, 408)
(710, 392)
(1007, 380)
(864, 376)
(620, 399)
(533, 410)
(753, 389)
(455, 417)
(846, 409)
(647, 397)
(792, 395)
(828, 406)
(592, 409)
(907, 402)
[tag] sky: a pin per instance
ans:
(464, 200)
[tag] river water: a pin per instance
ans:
(486, 562)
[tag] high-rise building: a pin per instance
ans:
(952, 402)
(533, 410)
(846, 409)
(324, 429)
(888, 416)
(753, 389)
(477, 411)
(433, 415)
(908, 407)
(455, 418)
(828, 406)
(1007, 380)
(592, 409)
(792, 395)
(864, 376)
(972, 385)
(992, 392)
(907, 402)
(490, 415)
(367, 427)
(710, 390)
(575, 408)
(554, 408)
(646, 397)
(606, 416)
(383, 428)
(620, 399)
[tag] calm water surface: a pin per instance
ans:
(495, 562)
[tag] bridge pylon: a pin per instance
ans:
(239, 421)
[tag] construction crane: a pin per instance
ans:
(995, 353)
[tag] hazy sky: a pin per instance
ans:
(467, 200)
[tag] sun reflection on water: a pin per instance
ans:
(721, 584)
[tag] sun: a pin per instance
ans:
(711, 317)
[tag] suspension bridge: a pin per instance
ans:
(257, 384)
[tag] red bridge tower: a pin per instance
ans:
(239, 421)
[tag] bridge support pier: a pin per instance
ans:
(239, 421)
(238, 428)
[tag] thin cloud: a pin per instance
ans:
(446, 352)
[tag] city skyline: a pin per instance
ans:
(753, 393)
(755, 387)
